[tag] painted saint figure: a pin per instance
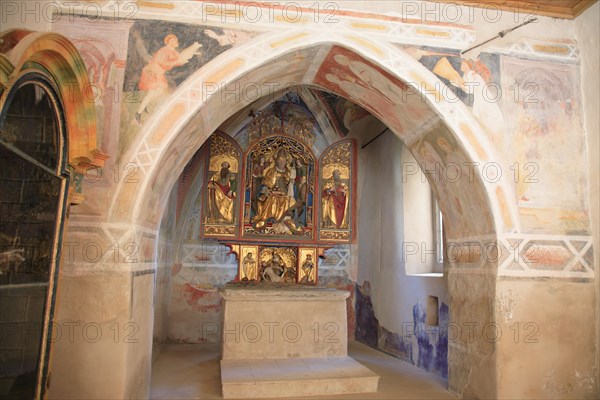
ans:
(249, 267)
(221, 193)
(153, 79)
(335, 202)
(307, 268)
(477, 82)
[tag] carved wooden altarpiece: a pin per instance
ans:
(277, 200)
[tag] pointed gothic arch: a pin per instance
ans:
(234, 79)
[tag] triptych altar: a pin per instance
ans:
(275, 202)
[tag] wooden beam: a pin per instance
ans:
(549, 8)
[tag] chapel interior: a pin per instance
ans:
(357, 200)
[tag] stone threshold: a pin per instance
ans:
(247, 379)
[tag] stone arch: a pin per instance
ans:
(53, 56)
(186, 108)
(171, 137)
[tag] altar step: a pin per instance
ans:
(247, 379)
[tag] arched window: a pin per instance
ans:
(33, 192)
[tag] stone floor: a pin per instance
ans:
(186, 371)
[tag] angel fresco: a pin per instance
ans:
(153, 80)
(161, 55)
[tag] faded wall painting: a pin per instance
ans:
(364, 83)
(103, 47)
(449, 172)
(161, 55)
(342, 113)
(420, 344)
(547, 141)
(476, 82)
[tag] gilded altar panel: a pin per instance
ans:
(221, 202)
(249, 265)
(336, 184)
(307, 265)
(278, 264)
(279, 190)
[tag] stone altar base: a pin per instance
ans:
(244, 379)
(284, 342)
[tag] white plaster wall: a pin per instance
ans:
(32, 15)
(163, 279)
(587, 32)
(417, 204)
(381, 227)
(486, 22)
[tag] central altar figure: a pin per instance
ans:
(275, 200)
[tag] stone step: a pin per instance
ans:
(248, 379)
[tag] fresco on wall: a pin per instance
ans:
(547, 141)
(161, 55)
(287, 70)
(423, 345)
(341, 112)
(102, 45)
(446, 166)
(545, 134)
(477, 83)
(364, 83)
